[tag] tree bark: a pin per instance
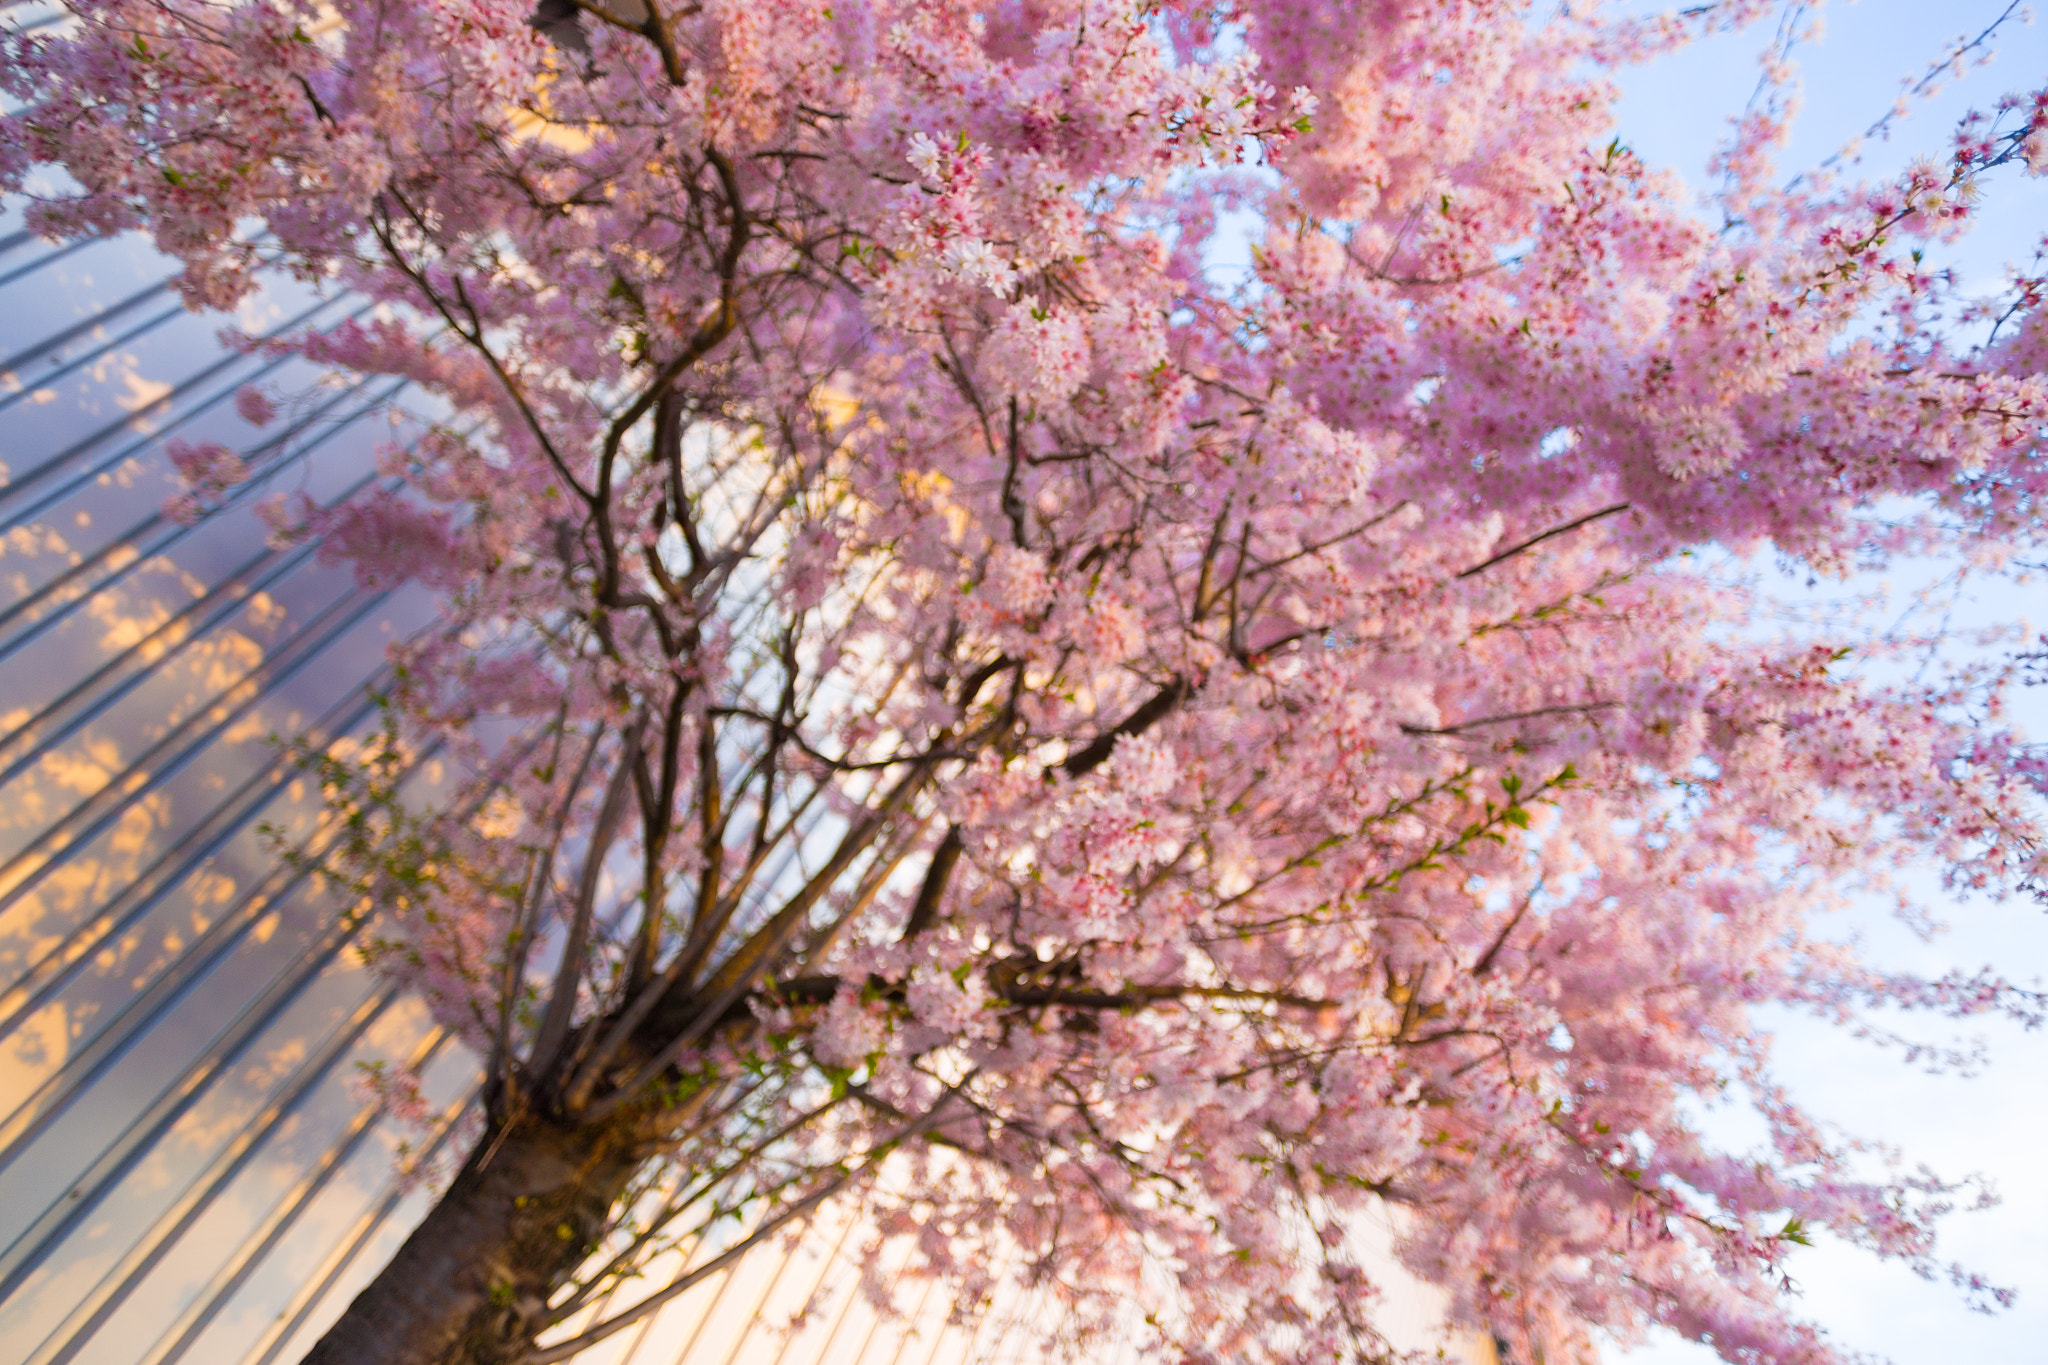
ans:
(471, 1284)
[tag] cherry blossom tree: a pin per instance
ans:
(951, 682)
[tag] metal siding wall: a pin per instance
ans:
(186, 1170)
(179, 1016)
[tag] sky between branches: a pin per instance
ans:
(1674, 111)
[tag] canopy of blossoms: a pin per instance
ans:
(1185, 761)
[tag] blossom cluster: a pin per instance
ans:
(1230, 754)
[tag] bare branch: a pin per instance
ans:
(1536, 540)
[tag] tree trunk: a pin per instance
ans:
(471, 1284)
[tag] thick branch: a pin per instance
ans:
(1138, 722)
(945, 858)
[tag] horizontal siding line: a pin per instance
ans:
(55, 253)
(150, 770)
(91, 697)
(166, 532)
(274, 1227)
(342, 1257)
(208, 949)
(199, 1194)
(193, 624)
(197, 400)
(21, 1259)
(78, 329)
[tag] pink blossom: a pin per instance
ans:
(1041, 355)
(925, 666)
(211, 466)
(1016, 582)
(849, 1033)
(254, 407)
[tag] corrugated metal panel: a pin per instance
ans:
(186, 1171)
(179, 1018)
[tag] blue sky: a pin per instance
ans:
(1674, 112)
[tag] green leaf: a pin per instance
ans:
(841, 1078)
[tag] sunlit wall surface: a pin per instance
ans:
(187, 1169)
